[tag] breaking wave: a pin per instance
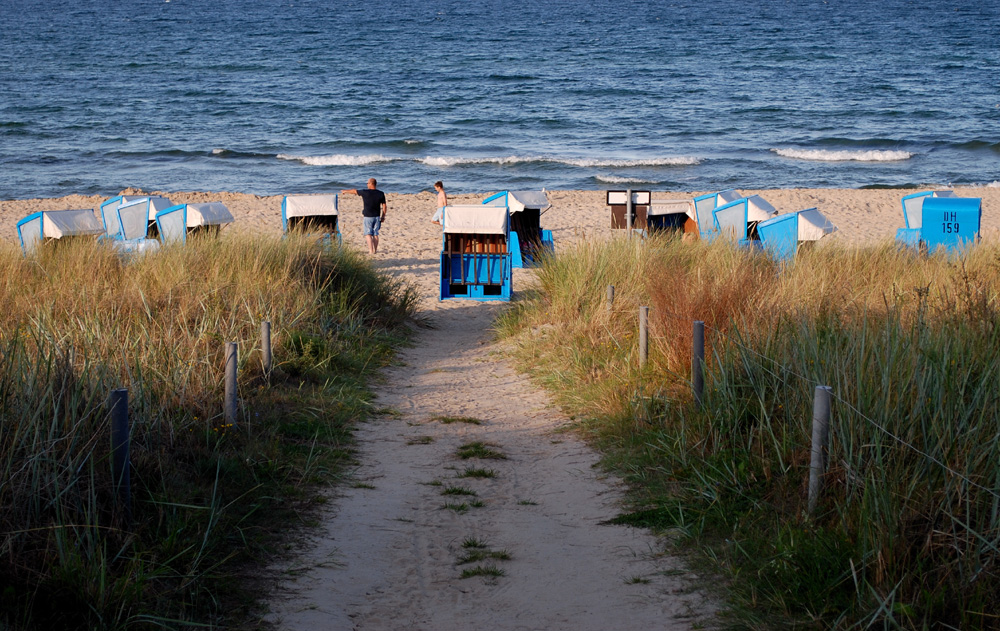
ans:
(822, 155)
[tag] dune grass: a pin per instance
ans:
(907, 530)
(208, 498)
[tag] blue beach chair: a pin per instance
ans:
(704, 208)
(475, 253)
(737, 220)
(913, 215)
(177, 222)
(50, 225)
(951, 223)
(528, 241)
(152, 203)
(782, 235)
(313, 214)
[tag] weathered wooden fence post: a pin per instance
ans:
(230, 396)
(120, 466)
(698, 362)
(820, 443)
(643, 336)
(265, 347)
(628, 213)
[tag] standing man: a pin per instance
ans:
(373, 213)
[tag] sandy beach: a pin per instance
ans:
(861, 215)
(388, 553)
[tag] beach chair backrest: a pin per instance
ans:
(779, 235)
(109, 216)
(30, 233)
(731, 219)
(704, 205)
(133, 219)
(171, 223)
(951, 222)
(913, 206)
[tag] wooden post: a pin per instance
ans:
(232, 355)
(628, 213)
(698, 362)
(611, 298)
(120, 466)
(265, 347)
(820, 443)
(643, 336)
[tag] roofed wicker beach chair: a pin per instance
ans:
(528, 241)
(51, 225)
(152, 203)
(312, 214)
(704, 208)
(782, 235)
(177, 222)
(737, 220)
(475, 253)
(913, 205)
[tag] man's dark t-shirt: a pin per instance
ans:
(373, 199)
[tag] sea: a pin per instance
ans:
(302, 96)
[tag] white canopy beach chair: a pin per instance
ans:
(48, 225)
(670, 214)
(176, 222)
(704, 208)
(475, 257)
(781, 236)
(312, 214)
(132, 219)
(152, 203)
(913, 215)
(527, 238)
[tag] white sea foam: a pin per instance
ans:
(638, 162)
(215, 152)
(823, 155)
(614, 179)
(339, 160)
(450, 161)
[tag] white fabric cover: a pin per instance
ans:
(671, 207)
(310, 205)
(621, 197)
(813, 225)
(156, 203)
(758, 209)
(475, 219)
(208, 214)
(134, 223)
(519, 200)
(724, 197)
(70, 223)
(914, 207)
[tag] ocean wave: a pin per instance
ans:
(614, 179)
(450, 161)
(823, 155)
(639, 162)
(340, 160)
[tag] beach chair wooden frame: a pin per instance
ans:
(475, 253)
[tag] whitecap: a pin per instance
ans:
(637, 162)
(823, 155)
(614, 179)
(336, 160)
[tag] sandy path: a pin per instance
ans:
(387, 556)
